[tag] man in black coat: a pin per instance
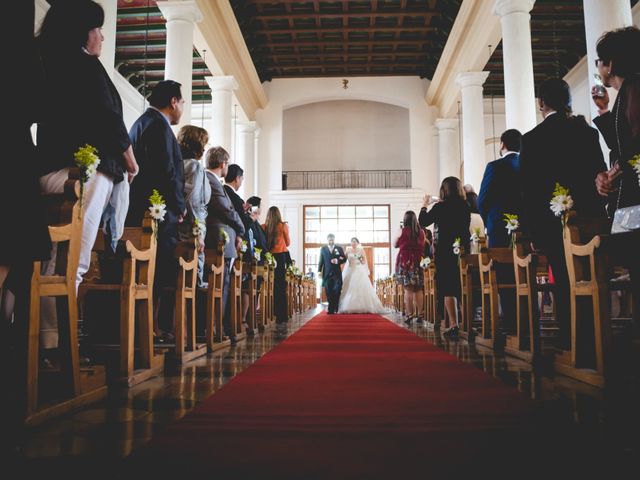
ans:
(160, 160)
(331, 257)
(562, 149)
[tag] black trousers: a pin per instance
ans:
(506, 275)
(226, 304)
(333, 289)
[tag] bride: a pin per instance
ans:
(358, 295)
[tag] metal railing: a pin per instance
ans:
(317, 180)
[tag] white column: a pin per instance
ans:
(473, 147)
(108, 55)
(519, 90)
(221, 133)
(256, 160)
(181, 17)
(600, 17)
(245, 156)
(448, 148)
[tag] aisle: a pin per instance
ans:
(353, 396)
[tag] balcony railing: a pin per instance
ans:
(315, 180)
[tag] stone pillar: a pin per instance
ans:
(181, 17)
(108, 55)
(245, 156)
(221, 133)
(600, 17)
(519, 90)
(473, 138)
(256, 160)
(448, 148)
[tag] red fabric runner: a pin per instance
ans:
(351, 396)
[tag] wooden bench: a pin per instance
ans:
(262, 318)
(135, 291)
(214, 270)
(470, 283)
(431, 292)
(489, 258)
(251, 290)
(79, 386)
(235, 297)
(525, 344)
(187, 347)
(589, 269)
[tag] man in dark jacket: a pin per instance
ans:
(158, 153)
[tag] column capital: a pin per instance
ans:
(247, 127)
(471, 79)
(187, 10)
(227, 83)
(505, 7)
(446, 124)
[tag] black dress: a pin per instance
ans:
(452, 218)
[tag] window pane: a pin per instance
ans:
(312, 212)
(364, 224)
(312, 257)
(365, 236)
(381, 255)
(381, 237)
(347, 212)
(329, 212)
(381, 271)
(381, 224)
(380, 211)
(313, 237)
(364, 211)
(329, 226)
(313, 225)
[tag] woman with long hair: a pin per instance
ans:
(410, 241)
(278, 240)
(451, 216)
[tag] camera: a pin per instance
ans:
(254, 209)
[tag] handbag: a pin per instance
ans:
(626, 219)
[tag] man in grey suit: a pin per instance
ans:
(222, 216)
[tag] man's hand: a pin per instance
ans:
(602, 103)
(238, 242)
(180, 218)
(200, 244)
(604, 184)
(426, 201)
(334, 261)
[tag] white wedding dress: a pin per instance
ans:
(358, 295)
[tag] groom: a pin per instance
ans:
(331, 257)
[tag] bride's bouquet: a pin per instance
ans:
(359, 257)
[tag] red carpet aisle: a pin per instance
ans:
(352, 396)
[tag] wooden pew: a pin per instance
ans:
(270, 302)
(251, 268)
(186, 292)
(469, 282)
(263, 319)
(432, 295)
(235, 297)
(488, 258)
(525, 344)
(214, 268)
(135, 291)
(589, 269)
(80, 386)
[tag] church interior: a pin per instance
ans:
(210, 177)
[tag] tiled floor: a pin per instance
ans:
(99, 436)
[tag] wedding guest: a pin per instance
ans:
(500, 194)
(232, 182)
(70, 43)
(451, 216)
(223, 223)
(161, 168)
(197, 190)
(562, 149)
(69, 50)
(278, 241)
(410, 242)
(258, 239)
(619, 66)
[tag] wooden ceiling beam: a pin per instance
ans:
(344, 30)
(319, 43)
(351, 13)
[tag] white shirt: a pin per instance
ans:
(508, 153)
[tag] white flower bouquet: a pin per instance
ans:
(425, 262)
(561, 202)
(635, 164)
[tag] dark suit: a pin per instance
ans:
(332, 274)
(499, 194)
(222, 215)
(566, 151)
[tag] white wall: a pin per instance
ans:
(346, 135)
(407, 92)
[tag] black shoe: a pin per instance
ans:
(408, 320)
(233, 340)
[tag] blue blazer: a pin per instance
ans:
(500, 193)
